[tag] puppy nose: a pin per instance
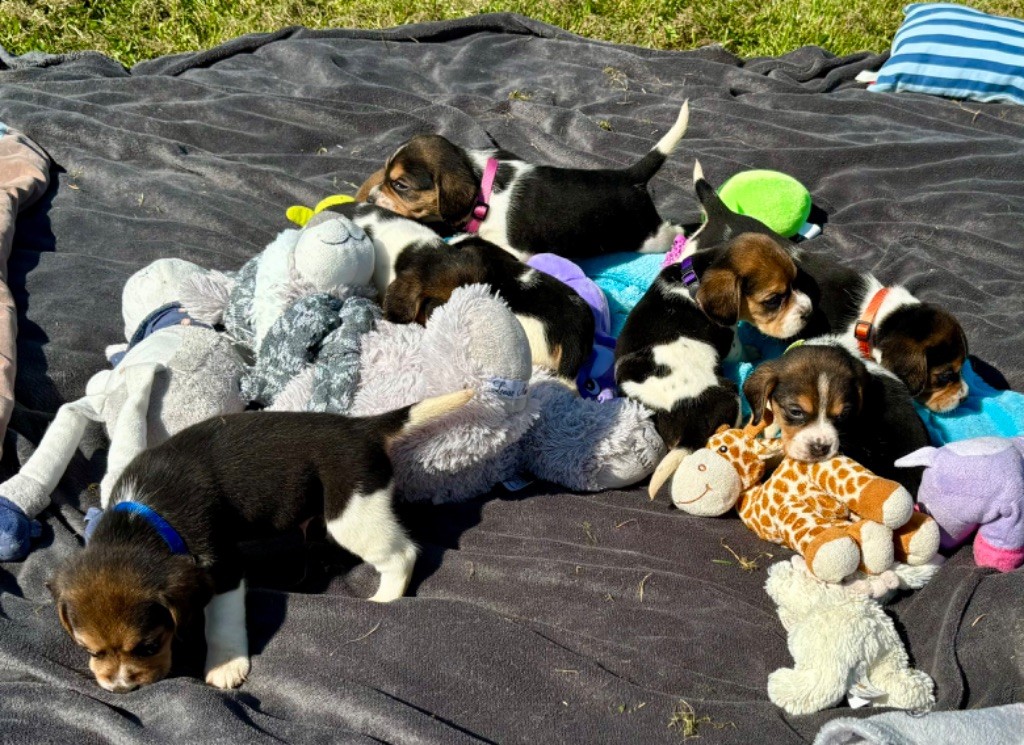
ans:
(819, 449)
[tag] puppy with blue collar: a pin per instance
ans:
(167, 548)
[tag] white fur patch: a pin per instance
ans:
(821, 431)
(227, 641)
(494, 228)
(537, 336)
(390, 236)
(692, 364)
(796, 316)
(368, 528)
(661, 240)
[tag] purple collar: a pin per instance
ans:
(483, 199)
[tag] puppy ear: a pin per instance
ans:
(719, 296)
(56, 586)
(758, 390)
(187, 591)
(375, 180)
(907, 359)
(403, 299)
(457, 190)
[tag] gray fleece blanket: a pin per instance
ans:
(534, 616)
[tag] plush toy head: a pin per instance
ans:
(709, 481)
(976, 484)
(152, 287)
(774, 198)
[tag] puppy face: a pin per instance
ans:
(813, 393)
(753, 281)
(126, 615)
(926, 347)
(427, 179)
(425, 278)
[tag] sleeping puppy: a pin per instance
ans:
(669, 354)
(558, 322)
(826, 400)
(525, 208)
(922, 344)
(168, 545)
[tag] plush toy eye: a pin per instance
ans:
(591, 386)
(723, 449)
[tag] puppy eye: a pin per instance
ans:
(147, 649)
(795, 414)
(96, 655)
(773, 302)
(399, 186)
(845, 412)
(946, 378)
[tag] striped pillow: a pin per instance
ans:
(957, 52)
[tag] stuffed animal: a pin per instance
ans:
(836, 513)
(976, 485)
(309, 293)
(172, 373)
(301, 215)
(840, 640)
(519, 421)
(596, 379)
(774, 198)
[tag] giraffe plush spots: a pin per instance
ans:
(837, 514)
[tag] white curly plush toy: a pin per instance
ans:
(839, 639)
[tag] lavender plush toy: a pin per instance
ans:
(596, 379)
(978, 485)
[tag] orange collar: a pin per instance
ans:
(865, 328)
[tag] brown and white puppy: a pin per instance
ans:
(826, 400)
(669, 354)
(168, 547)
(558, 322)
(532, 209)
(920, 343)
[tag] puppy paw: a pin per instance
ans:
(230, 674)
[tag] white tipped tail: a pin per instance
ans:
(668, 143)
(698, 171)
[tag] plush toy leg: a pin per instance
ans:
(917, 541)
(876, 545)
(818, 678)
(907, 688)
(867, 495)
(128, 434)
(830, 551)
(31, 487)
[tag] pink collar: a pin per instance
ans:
(482, 206)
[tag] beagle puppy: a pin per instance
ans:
(558, 322)
(922, 344)
(669, 353)
(167, 547)
(826, 400)
(525, 208)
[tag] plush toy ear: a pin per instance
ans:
(923, 457)
(758, 389)
(722, 428)
(719, 296)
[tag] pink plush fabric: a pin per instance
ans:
(1003, 559)
(24, 177)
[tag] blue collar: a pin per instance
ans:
(163, 317)
(161, 526)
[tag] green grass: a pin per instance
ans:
(131, 30)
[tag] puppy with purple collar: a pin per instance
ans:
(525, 208)
(167, 548)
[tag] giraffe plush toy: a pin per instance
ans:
(837, 514)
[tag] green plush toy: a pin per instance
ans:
(776, 199)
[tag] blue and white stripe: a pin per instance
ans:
(958, 52)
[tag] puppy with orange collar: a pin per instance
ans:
(826, 400)
(526, 208)
(168, 545)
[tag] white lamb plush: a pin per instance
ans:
(838, 637)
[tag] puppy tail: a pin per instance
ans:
(706, 194)
(401, 422)
(644, 169)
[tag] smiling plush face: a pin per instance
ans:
(709, 481)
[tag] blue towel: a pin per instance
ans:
(625, 277)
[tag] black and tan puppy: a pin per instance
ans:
(669, 354)
(558, 322)
(525, 208)
(826, 400)
(167, 547)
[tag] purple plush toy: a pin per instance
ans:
(596, 378)
(978, 485)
